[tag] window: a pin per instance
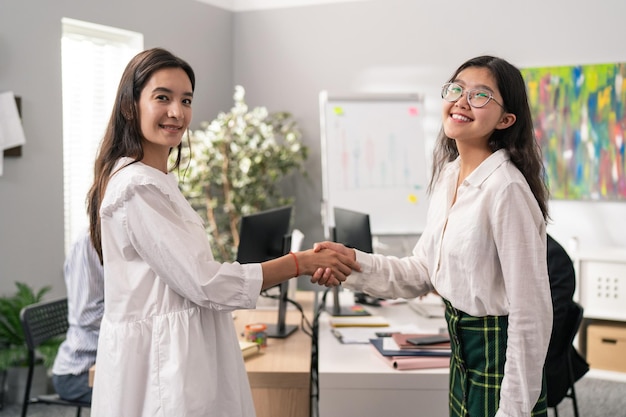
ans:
(93, 59)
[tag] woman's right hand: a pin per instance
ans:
(325, 275)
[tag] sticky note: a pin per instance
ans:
(413, 111)
(412, 198)
(338, 110)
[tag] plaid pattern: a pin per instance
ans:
(477, 364)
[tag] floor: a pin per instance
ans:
(599, 393)
(41, 410)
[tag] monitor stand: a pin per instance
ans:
(338, 310)
(281, 330)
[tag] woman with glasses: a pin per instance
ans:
(484, 245)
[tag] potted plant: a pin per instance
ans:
(235, 166)
(13, 350)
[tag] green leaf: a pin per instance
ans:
(13, 350)
(235, 165)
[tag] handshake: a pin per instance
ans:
(328, 263)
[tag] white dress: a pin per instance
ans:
(167, 344)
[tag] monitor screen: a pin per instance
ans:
(264, 236)
(353, 229)
(261, 235)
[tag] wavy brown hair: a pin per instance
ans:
(518, 139)
(123, 137)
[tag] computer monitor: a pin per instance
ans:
(352, 228)
(264, 236)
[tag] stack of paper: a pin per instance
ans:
(249, 348)
(409, 359)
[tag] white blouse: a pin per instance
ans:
(167, 344)
(486, 254)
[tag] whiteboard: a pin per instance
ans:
(374, 160)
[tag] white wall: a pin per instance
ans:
(31, 189)
(285, 57)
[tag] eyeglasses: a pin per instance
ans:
(477, 97)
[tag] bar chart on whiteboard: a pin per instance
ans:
(374, 160)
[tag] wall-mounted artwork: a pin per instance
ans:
(580, 118)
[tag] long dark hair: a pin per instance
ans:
(123, 137)
(518, 139)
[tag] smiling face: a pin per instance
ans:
(164, 114)
(474, 126)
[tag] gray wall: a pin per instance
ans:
(31, 189)
(286, 57)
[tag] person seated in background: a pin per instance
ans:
(562, 285)
(84, 280)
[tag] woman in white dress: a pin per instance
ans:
(167, 343)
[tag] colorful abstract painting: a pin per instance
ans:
(579, 118)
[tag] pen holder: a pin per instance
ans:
(256, 333)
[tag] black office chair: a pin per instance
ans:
(561, 378)
(42, 322)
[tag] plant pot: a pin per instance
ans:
(16, 383)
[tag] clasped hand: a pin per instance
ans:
(336, 263)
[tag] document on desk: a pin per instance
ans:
(362, 335)
(427, 308)
(358, 321)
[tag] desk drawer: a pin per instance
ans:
(606, 346)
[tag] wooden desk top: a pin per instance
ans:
(284, 362)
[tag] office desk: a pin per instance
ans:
(280, 377)
(354, 382)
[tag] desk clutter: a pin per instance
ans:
(401, 347)
(399, 354)
(355, 379)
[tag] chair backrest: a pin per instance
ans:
(43, 321)
(572, 323)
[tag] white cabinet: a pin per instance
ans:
(602, 283)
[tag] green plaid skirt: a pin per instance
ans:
(477, 364)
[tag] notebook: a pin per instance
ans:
(401, 341)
